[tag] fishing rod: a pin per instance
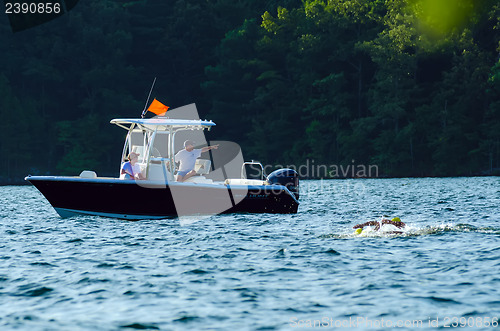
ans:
(146, 105)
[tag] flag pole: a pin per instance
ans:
(146, 105)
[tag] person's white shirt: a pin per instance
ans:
(187, 159)
(137, 168)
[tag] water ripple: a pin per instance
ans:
(254, 272)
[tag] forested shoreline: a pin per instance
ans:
(411, 86)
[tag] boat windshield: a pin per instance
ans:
(160, 145)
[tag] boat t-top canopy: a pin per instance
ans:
(162, 124)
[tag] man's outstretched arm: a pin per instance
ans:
(206, 149)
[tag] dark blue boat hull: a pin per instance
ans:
(148, 200)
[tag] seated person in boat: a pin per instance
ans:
(396, 221)
(187, 159)
(130, 169)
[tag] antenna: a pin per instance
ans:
(146, 105)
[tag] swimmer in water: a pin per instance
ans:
(396, 221)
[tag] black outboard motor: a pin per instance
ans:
(286, 177)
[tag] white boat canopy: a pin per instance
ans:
(162, 124)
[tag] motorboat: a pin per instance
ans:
(221, 183)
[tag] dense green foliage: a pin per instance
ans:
(402, 84)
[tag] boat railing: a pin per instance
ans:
(243, 176)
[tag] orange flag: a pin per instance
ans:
(158, 108)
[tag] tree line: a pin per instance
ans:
(412, 86)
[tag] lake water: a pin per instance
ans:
(261, 272)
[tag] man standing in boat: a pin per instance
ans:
(187, 159)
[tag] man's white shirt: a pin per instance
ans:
(187, 159)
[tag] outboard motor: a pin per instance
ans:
(286, 177)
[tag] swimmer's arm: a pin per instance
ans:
(360, 226)
(399, 225)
